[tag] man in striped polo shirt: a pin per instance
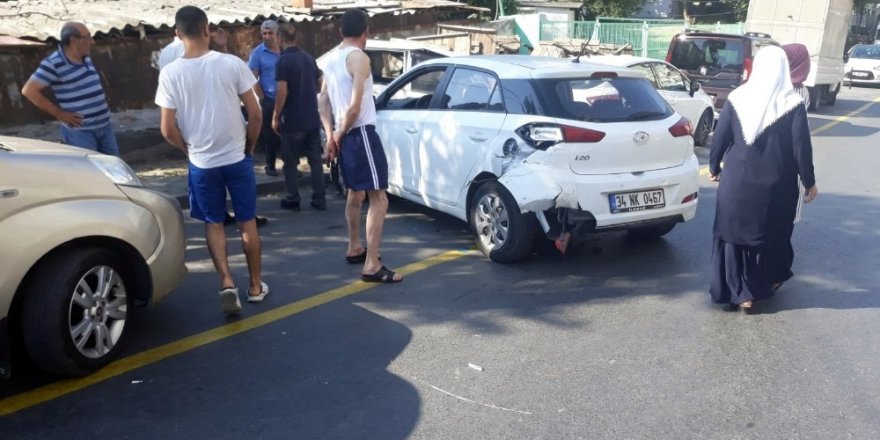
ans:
(81, 104)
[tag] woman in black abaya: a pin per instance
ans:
(764, 140)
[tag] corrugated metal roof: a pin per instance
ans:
(42, 19)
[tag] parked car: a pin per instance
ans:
(83, 242)
(518, 145)
(391, 58)
(684, 95)
(863, 64)
(719, 62)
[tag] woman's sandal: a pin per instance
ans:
(383, 275)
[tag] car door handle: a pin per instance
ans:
(411, 129)
(478, 138)
(8, 193)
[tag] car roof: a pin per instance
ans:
(528, 66)
(623, 60)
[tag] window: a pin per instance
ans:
(471, 90)
(602, 100)
(669, 78)
(646, 69)
(712, 53)
(415, 93)
(385, 65)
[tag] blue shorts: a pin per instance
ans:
(362, 162)
(208, 186)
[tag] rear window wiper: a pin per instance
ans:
(640, 116)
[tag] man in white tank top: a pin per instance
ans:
(346, 103)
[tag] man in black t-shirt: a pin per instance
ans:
(296, 118)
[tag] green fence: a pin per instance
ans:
(649, 38)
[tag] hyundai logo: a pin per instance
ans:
(640, 137)
(703, 70)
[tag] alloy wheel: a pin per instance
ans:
(97, 312)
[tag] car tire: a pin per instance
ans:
(816, 96)
(651, 232)
(501, 231)
(66, 312)
(704, 127)
(831, 97)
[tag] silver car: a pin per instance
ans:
(82, 243)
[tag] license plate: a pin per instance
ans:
(860, 74)
(637, 201)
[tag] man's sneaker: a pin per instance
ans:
(229, 219)
(229, 300)
(264, 290)
(270, 171)
(319, 205)
(287, 204)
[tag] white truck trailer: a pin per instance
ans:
(821, 25)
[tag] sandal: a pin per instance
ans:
(383, 275)
(359, 258)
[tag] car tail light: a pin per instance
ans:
(544, 135)
(681, 128)
(669, 55)
(747, 69)
(689, 198)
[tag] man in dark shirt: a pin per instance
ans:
(296, 118)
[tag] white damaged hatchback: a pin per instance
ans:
(523, 147)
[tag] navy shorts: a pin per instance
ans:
(208, 187)
(362, 162)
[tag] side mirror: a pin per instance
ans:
(695, 87)
(846, 58)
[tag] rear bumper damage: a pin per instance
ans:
(581, 202)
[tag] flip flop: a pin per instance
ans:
(383, 275)
(359, 258)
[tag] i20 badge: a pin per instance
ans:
(640, 137)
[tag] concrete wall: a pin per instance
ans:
(126, 63)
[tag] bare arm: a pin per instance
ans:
(358, 64)
(325, 108)
(280, 99)
(33, 91)
(255, 119)
(257, 89)
(170, 131)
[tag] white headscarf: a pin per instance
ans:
(767, 96)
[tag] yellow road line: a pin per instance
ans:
(704, 170)
(54, 390)
(845, 117)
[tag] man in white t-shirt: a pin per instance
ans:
(200, 96)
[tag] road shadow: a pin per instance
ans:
(307, 377)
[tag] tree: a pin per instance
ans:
(611, 8)
(509, 6)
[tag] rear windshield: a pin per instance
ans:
(715, 54)
(869, 52)
(602, 100)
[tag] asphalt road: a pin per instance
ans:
(616, 340)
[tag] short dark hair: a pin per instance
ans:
(287, 32)
(190, 21)
(68, 31)
(354, 23)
